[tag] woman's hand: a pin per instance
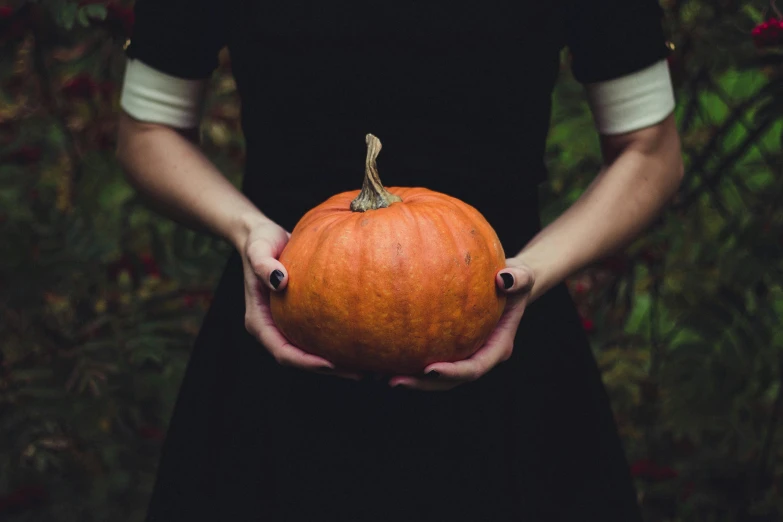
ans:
(263, 274)
(516, 280)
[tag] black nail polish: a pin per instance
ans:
(508, 280)
(276, 277)
(433, 374)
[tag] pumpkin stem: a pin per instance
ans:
(373, 196)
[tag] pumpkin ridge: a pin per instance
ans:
(481, 261)
(459, 247)
(446, 243)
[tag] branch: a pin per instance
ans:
(712, 181)
(724, 97)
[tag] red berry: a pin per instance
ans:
(666, 472)
(150, 265)
(81, 86)
(768, 34)
(588, 325)
(648, 469)
(642, 468)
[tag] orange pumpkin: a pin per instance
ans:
(390, 280)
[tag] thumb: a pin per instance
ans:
(515, 279)
(271, 272)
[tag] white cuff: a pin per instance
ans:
(152, 96)
(632, 102)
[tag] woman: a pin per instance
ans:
(460, 96)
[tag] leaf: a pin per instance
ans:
(97, 11)
(713, 107)
(685, 337)
(754, 14)
(742, 85)
(84, 19)
(759, 179)
(67, 15)
(639, 319)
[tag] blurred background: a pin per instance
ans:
(100, 298)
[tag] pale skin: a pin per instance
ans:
(643, 170)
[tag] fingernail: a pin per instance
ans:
(276, 277)
(508, 280)
(433, 373)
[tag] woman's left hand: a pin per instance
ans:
(516, 280)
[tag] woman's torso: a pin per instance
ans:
(459, 95)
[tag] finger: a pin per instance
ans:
(487, 357)
(270, 271)
(447, 375)
(496, 349)
(290, 355)
(283, 351)
(261, 325)
(287, 354)
(514, 279)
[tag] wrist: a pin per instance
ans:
(546, 273)
(243, 225)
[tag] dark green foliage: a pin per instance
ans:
(687, 322)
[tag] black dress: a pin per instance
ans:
(459, 94)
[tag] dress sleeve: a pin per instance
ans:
(180, 38)
(618, 51)
(173, 51)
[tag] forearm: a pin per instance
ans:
(179, 181)
(620, 203)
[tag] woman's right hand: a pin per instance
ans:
(264, 274)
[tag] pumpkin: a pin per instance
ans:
(389, 281)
